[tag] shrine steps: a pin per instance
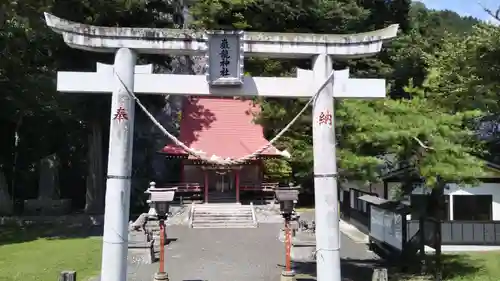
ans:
(228, 215)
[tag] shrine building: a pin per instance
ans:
(222, 128)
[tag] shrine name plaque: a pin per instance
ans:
(225, 58)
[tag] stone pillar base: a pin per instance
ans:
(287, 276)
(160, 276)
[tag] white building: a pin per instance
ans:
(470, 203)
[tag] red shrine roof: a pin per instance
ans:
(222, 127)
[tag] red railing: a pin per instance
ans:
(264, 186)
(197, 187)
(185, 187)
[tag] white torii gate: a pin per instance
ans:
(128, 42)
(196, 85)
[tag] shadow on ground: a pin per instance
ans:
(458, 265)
(453, 265)
(351, 269)
(170, 240)
(10, 234)
(361, 270)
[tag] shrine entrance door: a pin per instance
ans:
(224, 181)
(222, 185)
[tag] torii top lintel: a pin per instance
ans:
(190, 42)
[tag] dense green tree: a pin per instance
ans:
(365, 129)
(466, 75)
(427, 123)
(44, 121)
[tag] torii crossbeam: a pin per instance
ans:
(196, 85)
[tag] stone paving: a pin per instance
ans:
(218, 255)
(356, 261)
(241, 255)
(269, 213)
(180, 215)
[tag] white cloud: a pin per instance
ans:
(492, 20)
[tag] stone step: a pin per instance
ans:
(221, 209)
(221, 205)
(236, 214)
(230, 207)
(244, 223)
(225, 225)
(221, 221)
(224, 217)
(239, 216)
(221, 213)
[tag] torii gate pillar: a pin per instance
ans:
(325, 175)
(117, 202)
(321, 47)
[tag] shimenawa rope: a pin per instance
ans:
(216, 159)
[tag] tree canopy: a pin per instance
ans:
(440, 116)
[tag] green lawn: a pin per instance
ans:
(477, 266)
(29, 254)
(483, 266)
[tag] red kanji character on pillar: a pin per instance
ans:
(325, 118)
(120, 114)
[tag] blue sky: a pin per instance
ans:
(463, 7)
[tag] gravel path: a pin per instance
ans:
(242, 255)
(219, 255)
(269, 213)
(356, 261)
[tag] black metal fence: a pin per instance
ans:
(360, 210)
(454, 232)
(464, 232)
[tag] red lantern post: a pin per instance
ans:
(288, 246)
(161, 275)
